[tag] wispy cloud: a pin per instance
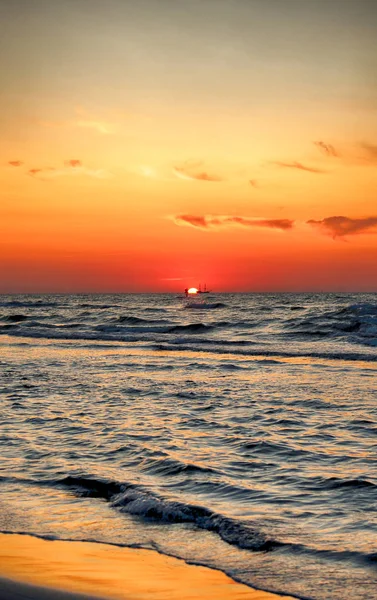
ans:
(327, 149)
(336, 226)
(193, 171)
(103, 127)
(358, 154)
(84, 119)
(40, 171)
(15, 163)
(299, 166)
(73, 162)
(207, 222)
(90, 120)
(100, 126)
(370, 152)
(71, 167)
(340, 226)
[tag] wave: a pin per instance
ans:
(362, 308)
(15, 318)
(99, 306)
(191, 328)
(169, 467)
(28, 304)
(298, 335)
(135, 500)
(150, 507)
(334, 483)
(139, 320)
(229, 347)
(358, 319)
(246, 348)
(205, 305)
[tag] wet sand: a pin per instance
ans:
(36, 569)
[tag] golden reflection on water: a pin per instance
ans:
(44, 348)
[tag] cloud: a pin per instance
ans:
(90, 120)
(326, 149)
(212, 221)
(72, 167)
(73, 162)
(83, 119)
(40, 171)
(360, 153)
(15, 163)
(370, 151)
(336, 226)
(189, 170)
(282, 224)
(100, 126)
(298, 165)
(339, 226)
(194, 220)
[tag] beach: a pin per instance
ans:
(89, 570)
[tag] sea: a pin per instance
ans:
(240, 433)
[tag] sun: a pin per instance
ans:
(192, 291)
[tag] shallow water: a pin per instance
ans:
(241, 436)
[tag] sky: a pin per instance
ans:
(149, 146)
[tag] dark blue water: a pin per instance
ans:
(241, 434)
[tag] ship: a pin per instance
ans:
(203, 291)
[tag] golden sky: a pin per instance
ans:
(151, 145)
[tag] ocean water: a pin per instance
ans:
(241, 435)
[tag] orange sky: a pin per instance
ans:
(148, 146)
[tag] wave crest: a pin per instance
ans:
(135, 500)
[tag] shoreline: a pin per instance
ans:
(33, 568)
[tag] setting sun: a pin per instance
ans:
(192, 291)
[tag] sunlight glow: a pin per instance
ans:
(146, 171)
